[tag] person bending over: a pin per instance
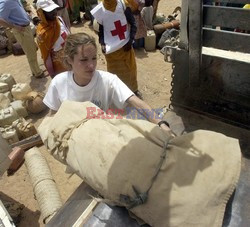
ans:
(84, 83)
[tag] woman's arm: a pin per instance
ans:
(144, 109)
(52, 112)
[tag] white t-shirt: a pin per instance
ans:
(104, 90)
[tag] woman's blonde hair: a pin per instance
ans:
(73, 41)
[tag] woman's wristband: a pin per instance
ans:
(163, 122)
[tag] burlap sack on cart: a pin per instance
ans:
(119, 158)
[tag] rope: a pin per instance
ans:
(141, 198)
(61, 145)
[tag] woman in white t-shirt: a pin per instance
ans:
(84, 83)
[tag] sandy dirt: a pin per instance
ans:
(154, 77)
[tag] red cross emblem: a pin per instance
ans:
(64, 36)
(119, 30)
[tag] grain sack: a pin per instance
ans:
(34, 102)
(120, 159)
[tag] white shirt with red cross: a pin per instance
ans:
(64, 32)
(115, 26)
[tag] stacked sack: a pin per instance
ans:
(16, 101)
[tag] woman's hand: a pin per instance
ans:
(168, 130)
(143, 108)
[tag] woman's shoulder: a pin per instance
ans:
(106, 76)
(62, 77)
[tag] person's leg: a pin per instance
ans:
(76, 11)
(11, 39)
(132, 66)
(155, 7)
(123, 64)
(26, 40)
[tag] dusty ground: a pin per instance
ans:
(154, 76)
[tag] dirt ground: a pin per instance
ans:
(154, 76)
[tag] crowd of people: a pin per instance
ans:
(13, 15)
(53, 19)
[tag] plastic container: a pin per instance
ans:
(20, 90)
(8, 95)
(10, 135)
(19, 108)
(14, 125)
(7, 116)
(8, 79)
(150, 41)
(24, 128)
(4, 87)
(4, 101)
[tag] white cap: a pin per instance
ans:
(46, 5)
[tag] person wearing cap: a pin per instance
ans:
(13, 15)
(51, 34)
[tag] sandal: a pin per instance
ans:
(41, 75)
(138, 94)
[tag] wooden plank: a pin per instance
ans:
(106, 215)
(183, 44)
(229, 79)
(226, 40)
(232, 1)
(227, 17)
(29, 142)
(224, 78)
(227, 55)
(76, 209)
(195, 28)
(83, 217)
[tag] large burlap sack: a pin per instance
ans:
(196, 176)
